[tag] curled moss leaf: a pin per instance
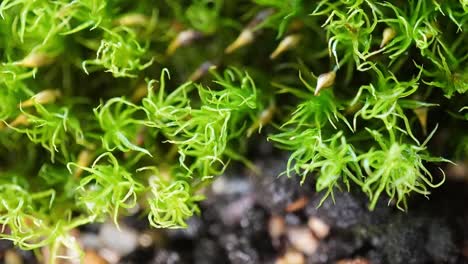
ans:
(349, 29)
(107, 188)
(336, 161)
(397, 169)
(384, 104)
(171, 201)
(118, 119)
(120, 54)
(54, 129)
(204, 132)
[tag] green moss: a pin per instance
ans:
(350, 92)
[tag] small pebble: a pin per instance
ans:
(166, 257)
(318, 227)
(276, 229)
(122, 242)
(110, 256)
(90, 240)
(458, 171)
(303, 240)
(145, 240)
(11, 257)
(235, 210)
(280, 260)
(353, 261)
(276, 226)
(294, 257)
(291, 257)
(91, 257)
(226, 186)
(297, 204)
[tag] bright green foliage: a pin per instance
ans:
(306, 123)
(171, 201)
(318, 110)
(349, 27)
(55, 131)
(286, 12)
(108, 188)
(117, 56)
(12, 87)
(395, 70)
(20, 211)
(203, 134)
(167, 111)
(383, 104)
(35, 219)
(117, 119)
(336, 161)
(398, 169)
(378, 102)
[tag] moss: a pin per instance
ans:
(93, 125)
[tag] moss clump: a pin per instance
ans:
(93, 125)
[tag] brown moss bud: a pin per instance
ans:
(260, 17)
(265, 117)
(421, 114)
(84, 159)
(22, 119)
(201, 71)
(325, 80)
(182, 39)
(387, 35)
(132, 20)
(245, 38)
(287, 43)
(36, 59)
(44, 97)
